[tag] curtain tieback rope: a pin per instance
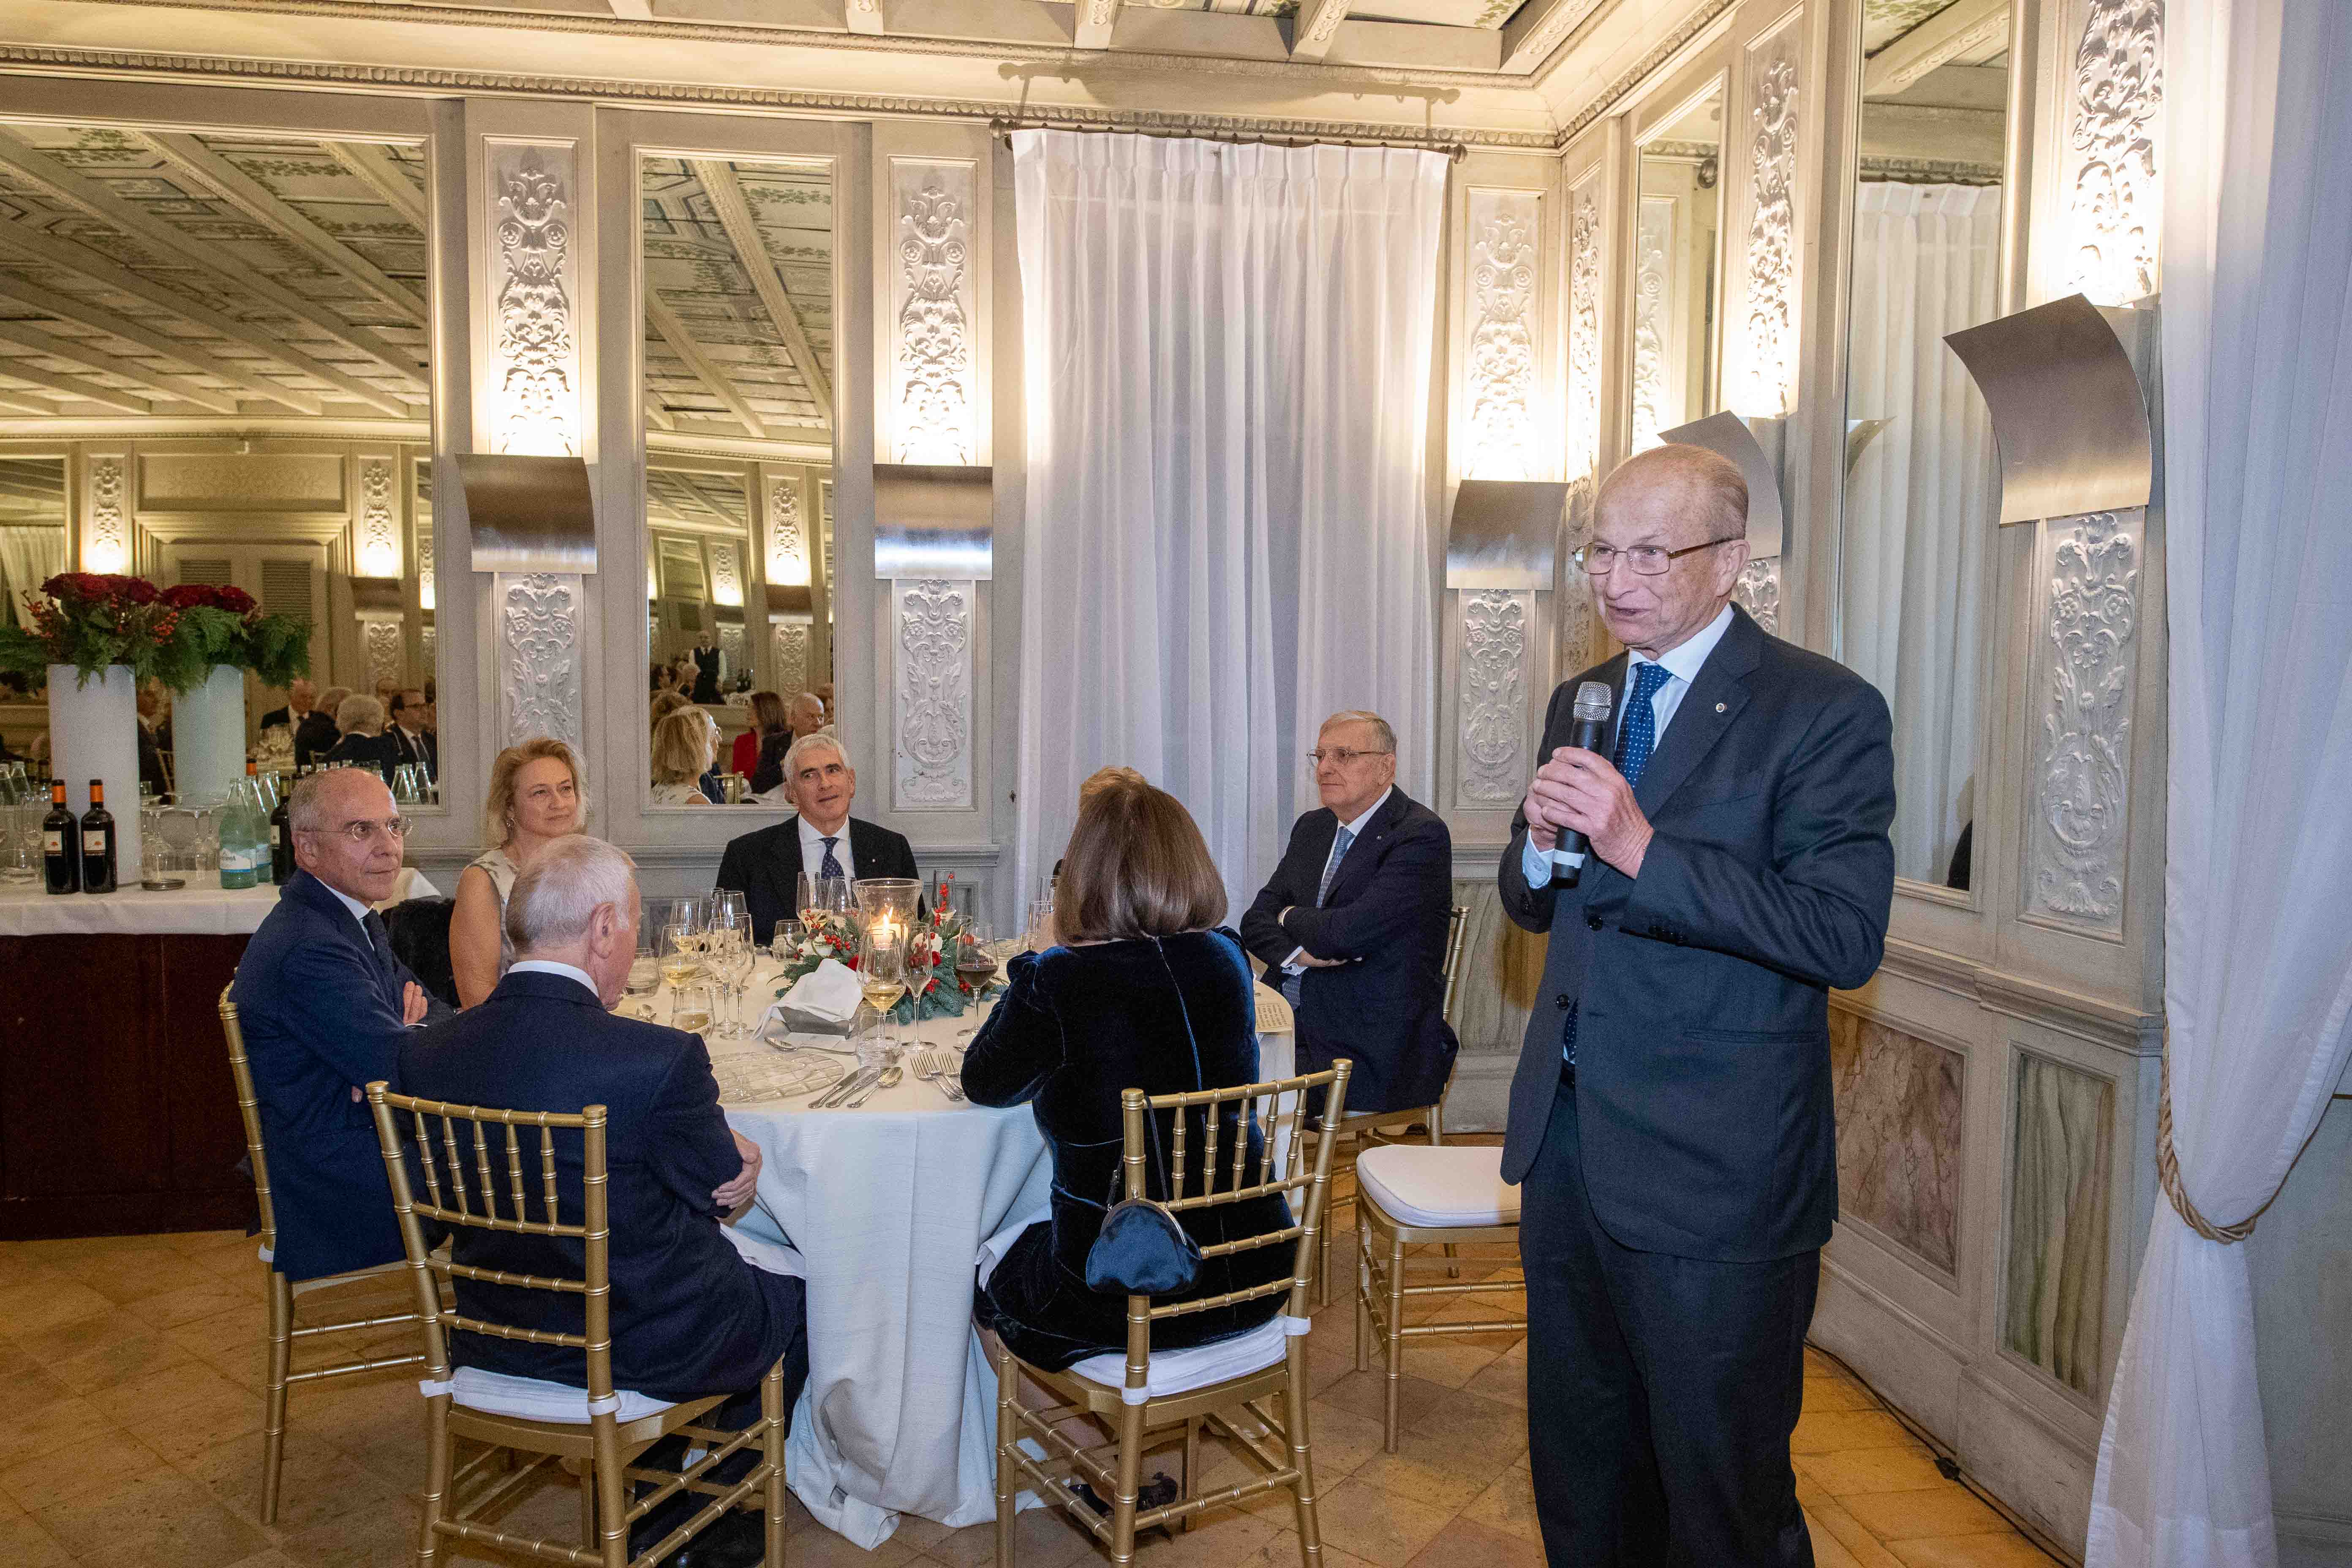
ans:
(2168, 1169)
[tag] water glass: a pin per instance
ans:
(20, 840)
(1041, 925)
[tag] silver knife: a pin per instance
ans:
(843, 1089)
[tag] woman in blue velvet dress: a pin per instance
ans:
(1143, 990)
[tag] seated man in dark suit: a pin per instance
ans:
(300, 697)
(410, 742)
(766, 867)
(1352, 927)
(315, 734)
(690, 1316)
(324, 1008)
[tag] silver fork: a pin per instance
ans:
(938, 1073)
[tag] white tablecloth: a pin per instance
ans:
(26, 909)
(888, 1205)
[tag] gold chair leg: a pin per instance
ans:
(1395, 1343)
(588, 1507)
(273, 1420)
(437, 1443)
(771, 1407)
(1437, 1140)
(611, 1493)
(1302, 1490)
(1008, 1432)
(1130, 1480)
(1192, 1465)
(1363, 1296)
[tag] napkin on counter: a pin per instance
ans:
(825, 999)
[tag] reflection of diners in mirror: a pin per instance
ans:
(685, 745)
(361, 721)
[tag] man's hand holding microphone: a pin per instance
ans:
(1579, 799)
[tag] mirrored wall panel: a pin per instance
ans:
(1676, 230)
(739, 463)
(213, 369)
(1922, 489)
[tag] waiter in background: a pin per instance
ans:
(1671, 1125)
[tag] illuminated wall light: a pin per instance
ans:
(535, 348)
(726, 576)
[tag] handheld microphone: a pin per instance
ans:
(1590, 731)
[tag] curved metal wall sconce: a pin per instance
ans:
(2067, 411)
(1727, 435)
(529, 514)
(1503, 534)
(934, 520)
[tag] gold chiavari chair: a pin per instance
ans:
(1407, 1196)
(1367, 1125)
(283, 1293)
(1163, 1397)
(594, 1427)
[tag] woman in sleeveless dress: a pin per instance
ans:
(535, 798)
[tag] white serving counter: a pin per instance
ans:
(27, 910)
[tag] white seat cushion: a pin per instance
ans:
(534, 1399)
(1455, 1185)
(1175, 1372)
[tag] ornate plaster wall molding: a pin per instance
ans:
(539, 655)
(1654, 305)
(932, 309)
(106, 529)
(1503, 371)
(428, 646)
(385, 649)
(378, 531)
(2114, 201)
(789, 646)
(535, 346)
(725, 575)
(427, 590)
(787, 558)
(1640, 71)
(931, 721)
(1491, 764)
(2081, 775)
(1771, 356)
(1574, 611)
(1758, 592)
(736, 645)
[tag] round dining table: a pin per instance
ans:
(888, 1204)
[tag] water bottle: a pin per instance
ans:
(244, 847)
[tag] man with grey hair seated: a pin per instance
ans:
(822, 837)
(690, 1316)
(361, 720)
(1353, 926)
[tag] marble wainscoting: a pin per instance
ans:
(2054, 1309)
(1502, 972)
(1898, 1135)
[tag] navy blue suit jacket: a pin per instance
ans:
(689, 1316)
(1388, 906)
(320, 1014)
(1702, 985)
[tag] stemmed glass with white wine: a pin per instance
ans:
(882, 968)
(681, 965)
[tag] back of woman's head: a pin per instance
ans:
(1137, 865)
(767, 711)
(681, 746)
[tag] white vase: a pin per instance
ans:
(94, 734)
(208, 735)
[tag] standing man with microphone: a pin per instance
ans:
(1671, 1124)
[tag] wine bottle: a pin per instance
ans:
(98, 842)
(281, 841)
(61, 843)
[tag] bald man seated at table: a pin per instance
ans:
(324, 1008)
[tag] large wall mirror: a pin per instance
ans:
(738, 462)
(1922, 489)
(1676, 229)
(214, 368)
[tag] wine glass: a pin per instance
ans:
(681, 950)
(785, 945)
(809, 899)
(882, 968)
(832, 898)
(731, 938)
(645, 970)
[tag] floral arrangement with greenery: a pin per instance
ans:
(934, 989)
(176, 636)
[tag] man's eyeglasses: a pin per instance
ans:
(392, 828)
(1646, 560)
(1341, 755)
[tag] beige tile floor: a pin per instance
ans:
(129, 1436)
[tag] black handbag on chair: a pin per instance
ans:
(1142, 1248)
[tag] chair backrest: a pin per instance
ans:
(1457, 931)
(1190, 1180)
(248, 1106)
(448, 1140)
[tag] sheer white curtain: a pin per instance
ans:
(30, 556)
(2258, 954)
(1921, 501)
(1227, 355)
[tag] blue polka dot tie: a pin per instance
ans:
(832, 867)
(1637, 737)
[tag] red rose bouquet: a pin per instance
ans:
(173, 635)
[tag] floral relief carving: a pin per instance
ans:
(787, 539)
(1758, 592)
(1502, 357)
(428, 643)
(933, 721)
(384, 651)
(2118, 99)
(538, 662)
(106, 547)
(425, 585)
(2083, 775)
(934, 357)
(539, 403)
(1575, 609)
(789, 641)
(1772, 240)
(1494, 702)
(726, 574)
(735, 648)
(1653, 244)
(378, 540)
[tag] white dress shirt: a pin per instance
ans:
(812, 848)
(549, 966)
(358, 910)
(1682, 664)
(1355, 830)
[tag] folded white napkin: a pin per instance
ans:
(829, 992)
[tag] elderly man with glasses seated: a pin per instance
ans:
(325, 1006)
(1352, 927)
